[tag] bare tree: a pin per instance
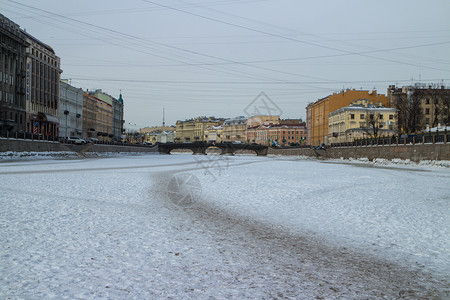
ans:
(440, 101)
(372, 123)
(410, 113)
(445, 106)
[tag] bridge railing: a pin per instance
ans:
(395, 141)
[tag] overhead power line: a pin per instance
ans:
(287, 37)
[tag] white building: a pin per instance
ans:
(70, 110)
(165, 137)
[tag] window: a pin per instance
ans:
(381, 117)
(427, 101)
(427, 120)
(427, 111)
(391, 117)
(352, 116)
(361, 116)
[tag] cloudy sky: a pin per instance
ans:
(214, 57)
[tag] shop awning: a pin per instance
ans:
(48, 118)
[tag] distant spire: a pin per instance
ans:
(120, 97)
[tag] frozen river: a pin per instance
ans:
(209, 227)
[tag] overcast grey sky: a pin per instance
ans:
(213, 57)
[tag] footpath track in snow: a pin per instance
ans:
(260, 228)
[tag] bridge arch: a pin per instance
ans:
(202, 147)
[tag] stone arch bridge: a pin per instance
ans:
(225, 148)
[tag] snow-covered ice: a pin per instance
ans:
(259, 227)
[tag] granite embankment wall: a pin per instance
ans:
(17, 145)
(415, 153)
(116, 148)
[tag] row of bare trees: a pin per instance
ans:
(415, 105)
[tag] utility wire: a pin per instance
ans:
(170, 46)
(288, 38)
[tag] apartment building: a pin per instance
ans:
(234, 129)
(361, 119)
(42, 88)
(70, 110)
(420, 106)
(117, 120)
(13, 72)
(317, 113)
(214, 134)
(193, 130)
(97, 118)
(287, 132)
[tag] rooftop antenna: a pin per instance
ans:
(164, 123)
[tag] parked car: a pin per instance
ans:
(93, 140)
(75, 140)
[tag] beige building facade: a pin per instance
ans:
(234, 129)
(97, 118)
(156, 129)
(317, 112)
(286, 133)
(117, 115)
(193, 130)
(42, 88)
(214, 134)
(361, 119)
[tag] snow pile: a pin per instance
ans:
(398, 162)
(116, 154)
(37, 155)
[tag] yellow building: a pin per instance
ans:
(317, 112)
(156, 129)
(214, 134)
(234, 130)
(193, 130)
(361, 119)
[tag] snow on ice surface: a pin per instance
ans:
(262, 228)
